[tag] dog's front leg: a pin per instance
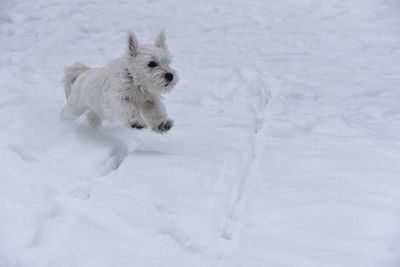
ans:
(155, 114)
(130, 116)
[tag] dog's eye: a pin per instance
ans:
(152, 64)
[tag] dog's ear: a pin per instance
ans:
(160, 40)
(132, 45)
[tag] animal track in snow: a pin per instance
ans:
(113, 161)
(23, 153)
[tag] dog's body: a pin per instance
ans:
(128, 89)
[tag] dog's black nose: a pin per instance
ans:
(169, 76)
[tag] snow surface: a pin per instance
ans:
(286, 149)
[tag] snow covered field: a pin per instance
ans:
(286, 149)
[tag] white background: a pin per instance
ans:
(285, 150)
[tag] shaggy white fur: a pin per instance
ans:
(128, 89)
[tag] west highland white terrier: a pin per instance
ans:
(128, 89)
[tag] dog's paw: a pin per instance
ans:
(164, 126)
(138, 125)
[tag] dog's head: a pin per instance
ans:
(149, 64)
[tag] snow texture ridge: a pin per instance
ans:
(285, 150)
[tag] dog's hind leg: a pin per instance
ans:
(71, 111)
(93, 119)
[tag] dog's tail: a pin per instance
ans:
(70, 74)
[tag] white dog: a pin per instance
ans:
(128, 89)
